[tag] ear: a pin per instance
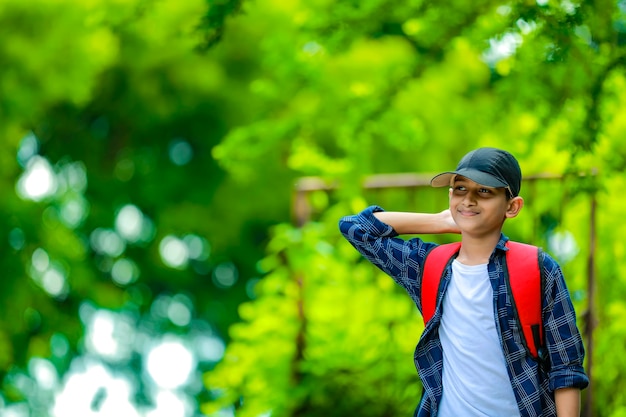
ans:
(514, 206)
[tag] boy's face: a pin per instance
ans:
(481, 210)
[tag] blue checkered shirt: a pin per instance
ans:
(534, 389)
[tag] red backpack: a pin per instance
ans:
(525, 283)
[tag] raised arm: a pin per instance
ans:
(419, 223)
(374, 233)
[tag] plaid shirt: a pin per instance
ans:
(534, 389)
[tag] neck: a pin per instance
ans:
(477, 250)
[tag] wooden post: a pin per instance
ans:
(590, 322)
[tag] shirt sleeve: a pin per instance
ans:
(563, 338)
(379, 243)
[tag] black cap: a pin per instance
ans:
(486, 166)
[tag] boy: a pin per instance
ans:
(471, 356)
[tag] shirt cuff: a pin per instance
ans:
(373, 225)
(569, 377)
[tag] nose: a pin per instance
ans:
(469, 198)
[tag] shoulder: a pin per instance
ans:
(553, 278)
(549, 265)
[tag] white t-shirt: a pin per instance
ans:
(475, 380)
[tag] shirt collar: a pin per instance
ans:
(502, 243)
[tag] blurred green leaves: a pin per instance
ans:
(149, 151)
(379, 87)
(325, 336)
(45, 63)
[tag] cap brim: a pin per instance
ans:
(445, 179)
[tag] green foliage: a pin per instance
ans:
(196, 118)
(108, 108)
(327, 335)
(383, 87)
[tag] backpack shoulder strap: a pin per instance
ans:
(434, 265)
(526, 285)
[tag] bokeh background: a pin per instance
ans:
(172, 173)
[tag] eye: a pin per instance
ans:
(484, 191)
(459, 188)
